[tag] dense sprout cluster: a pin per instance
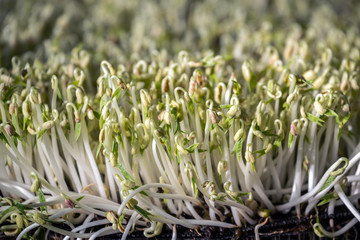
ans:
(145, 116)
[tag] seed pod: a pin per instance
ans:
(249, 156)
(69, 203)
(145, 98)
(222, 167)
(214, 117)
(127, 184)
(252, 204)
(293, 129)
(246, 71)
(79, 96)
(112, 159)
(13, 109)
(319, 108)
(25, 109)
(192, 86)
(90, 114)
(35, 186)
(9, 129)
(111, 216)
(132, 203)
(39, 218)
(239, 134)
(24, 72)
(48, 124)
(264, 213)
(234, 111)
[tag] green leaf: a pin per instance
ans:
(344, 120)
(328, 182)
(143, 212)
(315, 119)
(103, 101)
(307, 139)
(97, 115)
(331, 113)
(21, 207)
(77, 130)
(237, 87)
(195, 189)
(277, 142)
(238, 148)
(8, 210)
(286, 106)
(177, 128)
(42, 200)
(192, 148)
(339, 134)
(253, 167)
(260, 152)
(24, 124)
(59, 94)
(252, 83)
(142, 192)
(290, 141)
(178, 157)
(101, 122)
(191, 107)
(225, 106)
(116, 94)
(327, 198)
(239, 200)
(76, 83)
(115, 149)
(41, 133)
(125, 174)
(8, 92)
(15, 123)
(269, 133)
(98, 149)
(167, 145)
(79, 198)
(300, 79)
